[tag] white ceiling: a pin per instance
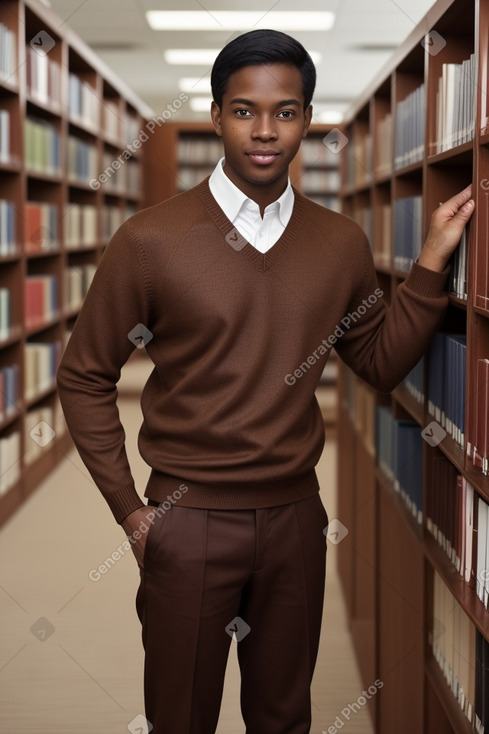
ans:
(364, 35)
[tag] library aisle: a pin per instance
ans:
(72, 646)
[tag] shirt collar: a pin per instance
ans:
(231, 199)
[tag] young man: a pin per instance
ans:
(232, 286)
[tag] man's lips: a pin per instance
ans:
(262, 157)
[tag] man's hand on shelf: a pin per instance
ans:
(447, 225)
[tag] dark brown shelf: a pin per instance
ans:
(458, 720)
(55, 178)
(463, 593)
(41, 395)
(415, 409)
(14, 336)
(11, 166)
(4, 259)
(387, 486)
(49, 107)
(464, 151)
(42, 326)
(11, 418)
(83, 127)
(407, 170)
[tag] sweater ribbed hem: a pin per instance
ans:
(231, 495)
(124, 502)
(426, 282)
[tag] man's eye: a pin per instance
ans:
(242, 113)
(286, 114)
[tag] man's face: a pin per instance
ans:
(262, 122)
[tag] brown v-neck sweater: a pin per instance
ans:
(239, 340)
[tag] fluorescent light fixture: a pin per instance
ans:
(200, 104)
(206, 56)
(230, 20)
(195, 84)
(189, 56)
(330, 117)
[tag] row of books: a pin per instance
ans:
(80, 226)
(450, 517)
(399, 448)
(111, 118)
(83, 103)
(458, 273)
(9, 461)
(41, 363)
(383, 239)
(414, 381)
(122, 179)
(8, 56)
(330, 202)
(42, 147)
(320, 180)
(408, 231)
(9, 390)
(188, 177)
(112, 218)
(4, 136)
(455, 104)
(363, 215)
(5, 313)
(40, 299)
(132, 128)
(8, 237)
(43, 77)
(203, 151)
(410, 129)
(316, 152)
(385, 145)
(77, 283)
(462, 655)
(478, 430)
(359, 161)
(41, 227)
(446, 383)
(82, 160)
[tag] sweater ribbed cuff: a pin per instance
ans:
(426, 282)
(123, 502)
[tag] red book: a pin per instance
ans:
(34, 302)
(33, 218)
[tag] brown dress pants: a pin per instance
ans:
(214, 576)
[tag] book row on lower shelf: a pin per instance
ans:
(41, 426)
(462, 654)
(452, 512)
(8, 56)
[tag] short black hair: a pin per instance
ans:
(259, 47)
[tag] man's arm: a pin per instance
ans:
(383, 344)
(118, 300)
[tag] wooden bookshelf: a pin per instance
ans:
(389, 560)
(66, 117)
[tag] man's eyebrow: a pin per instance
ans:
(250, 103)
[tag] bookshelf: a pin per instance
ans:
(413, 483)
(64, 117)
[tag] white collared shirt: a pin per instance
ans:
(244, 213)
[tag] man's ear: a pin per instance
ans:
(307, 120)
(216, 117)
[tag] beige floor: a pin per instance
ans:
(70, 650)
